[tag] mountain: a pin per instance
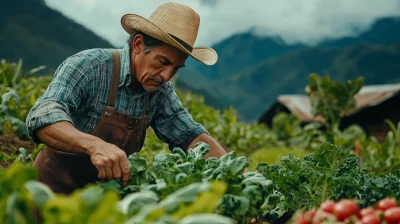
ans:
(251, 72)
(239, 51)
(254, 83)
(40, 35)
(288, 74)
(383, 31)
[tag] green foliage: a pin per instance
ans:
(286, 126)
(181, 187)
(89, 205)
(14, 198)
(158, 195)
(240, 137)
(274, 155)
(381, 157)
(18, 95)
(332, 100)
(331, 173)
(170, 173)
(155, 193)
(235, 136)
(196, 198)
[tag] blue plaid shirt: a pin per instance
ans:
(79, 91)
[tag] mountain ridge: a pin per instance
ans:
(49, 43)
(246, 89)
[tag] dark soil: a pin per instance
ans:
(10, 145)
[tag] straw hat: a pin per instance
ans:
(175, 24)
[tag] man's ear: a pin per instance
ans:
(138, 44)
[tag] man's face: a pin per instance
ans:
(157, 66)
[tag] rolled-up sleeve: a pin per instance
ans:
(173, 124)
(62, 98)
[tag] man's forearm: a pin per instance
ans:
(216, 149)
(63, 136)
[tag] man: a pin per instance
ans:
(96, 109)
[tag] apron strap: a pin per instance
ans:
(146, 103)
(112, 95)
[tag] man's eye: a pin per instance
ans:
(163, 62)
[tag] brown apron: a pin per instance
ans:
(64, 172)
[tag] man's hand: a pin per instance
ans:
(110, 161)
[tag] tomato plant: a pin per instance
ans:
(347, 211)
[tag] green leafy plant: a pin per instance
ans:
(332, 100)
(18, 95)
(14, 197)
(168, 173)
(329, 174)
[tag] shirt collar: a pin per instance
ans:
(125, 75)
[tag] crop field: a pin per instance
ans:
(317, 173)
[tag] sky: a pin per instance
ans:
(304, 21)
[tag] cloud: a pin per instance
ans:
(306, 21)
(209, 2)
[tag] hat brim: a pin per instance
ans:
(132, 22)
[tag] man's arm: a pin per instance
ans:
(174, 125)
(216, 149)
(49, 121)
(110, 161)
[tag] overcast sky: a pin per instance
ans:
(306, 21)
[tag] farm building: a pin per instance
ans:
(375, 103)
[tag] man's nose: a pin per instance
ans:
(166, 74)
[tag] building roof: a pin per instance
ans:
(368, 96)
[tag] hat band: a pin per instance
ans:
(183, 43)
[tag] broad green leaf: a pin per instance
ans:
(206, 219)
(184, 195)
(106, 211)
(64, 210)
(328, 156)
(198, 153)
(206, 201)
(40, 193)
(113, 184)
(232, 204)
(17, 174)
(180, 178)
(12, 206)
(180, 152)
(185, 167)
(132, 203)
(138, 164)
(91, 196)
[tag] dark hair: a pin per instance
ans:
(149, 41)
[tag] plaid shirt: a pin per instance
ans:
(79, 91)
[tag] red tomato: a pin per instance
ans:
(309, 215)
(367, 211)
(386, 203)
(345, 208)
(301, 220)
(370, 219)
(328, 206)
(392, 215)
